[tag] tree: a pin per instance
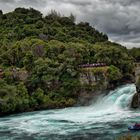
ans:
(39, 96)
(113, 74)
(1, 13)
(39, 24)
(28, 61)
(72, 17)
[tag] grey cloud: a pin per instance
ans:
(7, 1)
(79, 2)
(118, 18)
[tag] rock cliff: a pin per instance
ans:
(136, 98)
(93, 82)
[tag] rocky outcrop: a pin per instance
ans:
(20, 74)
(93, 82)
(135, 101)
(93, 76)
(97, 80)
(88, 97)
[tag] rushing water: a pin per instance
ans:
(106, 119)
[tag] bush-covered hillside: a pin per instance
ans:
(40, 58)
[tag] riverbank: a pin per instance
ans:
(129, 137)
(86, 97)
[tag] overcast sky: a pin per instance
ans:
(120, 19)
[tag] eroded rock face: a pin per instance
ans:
(20, 74)
(135, 101)
(136, 98)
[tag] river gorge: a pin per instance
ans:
(105, 119)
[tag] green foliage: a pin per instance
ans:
(113, 74)
(28, 61)
(39, 96)
(114, 54)
(40, 58)
(135, 52)
(13, 98)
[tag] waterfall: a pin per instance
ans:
(119, 98)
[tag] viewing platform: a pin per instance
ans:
(94, 65)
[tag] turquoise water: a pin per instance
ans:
(105, 119)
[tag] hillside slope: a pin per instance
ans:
(40, 58)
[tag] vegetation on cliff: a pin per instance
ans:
(39, 59)
(135, 52)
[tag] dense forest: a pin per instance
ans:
(40, 55)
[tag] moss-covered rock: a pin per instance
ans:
(135, 101)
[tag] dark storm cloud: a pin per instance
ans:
(120, 19)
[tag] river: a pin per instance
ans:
(105, 119)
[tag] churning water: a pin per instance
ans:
(105, 119)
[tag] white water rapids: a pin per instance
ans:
(105, 119)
